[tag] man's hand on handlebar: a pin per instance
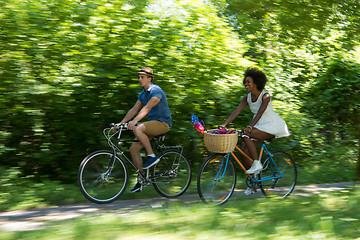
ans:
(131, 125)
(115, 127)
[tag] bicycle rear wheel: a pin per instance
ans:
(278, 177)
(216, 179)
(100, 179)
(172, 175)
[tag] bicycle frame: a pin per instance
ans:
(262, 150)
(217, 177)
(116, 150)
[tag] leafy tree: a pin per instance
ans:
(69, 69)
(295, 42)
(335, 100)
(293, 22)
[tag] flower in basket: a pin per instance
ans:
(195, 121)
(223, 131)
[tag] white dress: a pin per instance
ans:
(270, 122)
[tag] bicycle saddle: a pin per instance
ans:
(160, 137)
(269, 140)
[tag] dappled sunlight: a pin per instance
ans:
(68, 69)
(331, 215)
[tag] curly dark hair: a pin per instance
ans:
(258, 77)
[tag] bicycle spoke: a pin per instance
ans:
(278, 177)
(99, 181)
(172, 175)
(216, 179)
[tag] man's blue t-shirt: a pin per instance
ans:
(161, 111)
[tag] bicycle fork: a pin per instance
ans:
(221, 169)
(105, 176)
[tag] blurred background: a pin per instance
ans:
(68, 69)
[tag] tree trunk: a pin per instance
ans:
(358, 163)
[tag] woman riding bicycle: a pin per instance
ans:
(265, 123)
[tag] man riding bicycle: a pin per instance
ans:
(153, 103)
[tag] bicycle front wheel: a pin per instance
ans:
(278, 177)
(216, 179)
(171, 177)
(102, 178)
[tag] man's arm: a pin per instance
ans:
(132, 112)
(144, 111)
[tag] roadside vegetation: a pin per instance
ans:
(19, 193)
(334, 215)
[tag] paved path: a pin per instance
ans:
(24, 220)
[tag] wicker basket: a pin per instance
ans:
(220, 143)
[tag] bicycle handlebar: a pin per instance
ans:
(119, 126)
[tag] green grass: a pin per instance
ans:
(324, 216)
(18, 193)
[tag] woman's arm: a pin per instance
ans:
(236, 112)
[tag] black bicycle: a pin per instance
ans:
(103, 175)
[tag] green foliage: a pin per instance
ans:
(295, 42)
(337, 94)
(335, 100)
(68, 69)
(294, 22)
(23, 192)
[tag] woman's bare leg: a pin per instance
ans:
(251, 145)
(246, 162)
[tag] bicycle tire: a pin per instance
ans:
(94, 182)
(281, 176)
(213, 184)
(171, 176)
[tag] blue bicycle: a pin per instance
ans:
(217, 176)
